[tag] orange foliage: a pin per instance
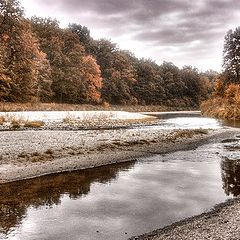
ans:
(218, 88)
(226, 106)
(92, 75)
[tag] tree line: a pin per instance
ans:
(39, 61)
(225, 99)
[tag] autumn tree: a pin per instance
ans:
(118, 73)
(82, 76)
(225, 100)
(231, 55)
(192, 82)
(218, 88)
(74, 74)
(23, 57)
(103, 51)
(232, 94)
(91, 76)
(5, 80)
(172, 83)
(149, 87)
(118, 89)
(44, 85)
(41, 61)
(52, 43)
(208, 81)
(83, 34)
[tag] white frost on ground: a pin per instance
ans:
(59, 116)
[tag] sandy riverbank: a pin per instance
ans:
(28, 154)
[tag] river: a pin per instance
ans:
(118, 201)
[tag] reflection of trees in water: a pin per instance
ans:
(231, 176)
(15, 198)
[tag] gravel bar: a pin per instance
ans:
(29, 154)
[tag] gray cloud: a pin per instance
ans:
(156, 23)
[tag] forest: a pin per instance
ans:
(41, 62)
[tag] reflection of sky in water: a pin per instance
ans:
(146, 196)
(187, 123)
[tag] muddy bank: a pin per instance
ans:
(222, 223)
(29, 154)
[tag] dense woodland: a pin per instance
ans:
(225, 99)
(41, 62)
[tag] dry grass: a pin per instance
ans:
(19, 123)
(69, 120)
(188, 133)
(14, 107)
(49, 152)
(2, 120)
(34, 124)
(15, 123)
(106, 105)
(36, 156)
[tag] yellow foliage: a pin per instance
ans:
(226, 107)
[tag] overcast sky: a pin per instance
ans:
(185, 32)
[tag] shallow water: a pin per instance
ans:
(186, 123)
(118, 201)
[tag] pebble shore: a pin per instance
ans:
(221, 223)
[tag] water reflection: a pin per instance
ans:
(185, 123)
(231, 123)
(133, 198)
(155, 193)
(16, 198)
(230, 166)
(231, 176)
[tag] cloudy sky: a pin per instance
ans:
(185, 32)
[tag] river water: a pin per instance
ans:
(122, 200)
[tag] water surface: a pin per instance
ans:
(118, 201)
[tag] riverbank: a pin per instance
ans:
(29, 154)
(13, 107)
(222, 223)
